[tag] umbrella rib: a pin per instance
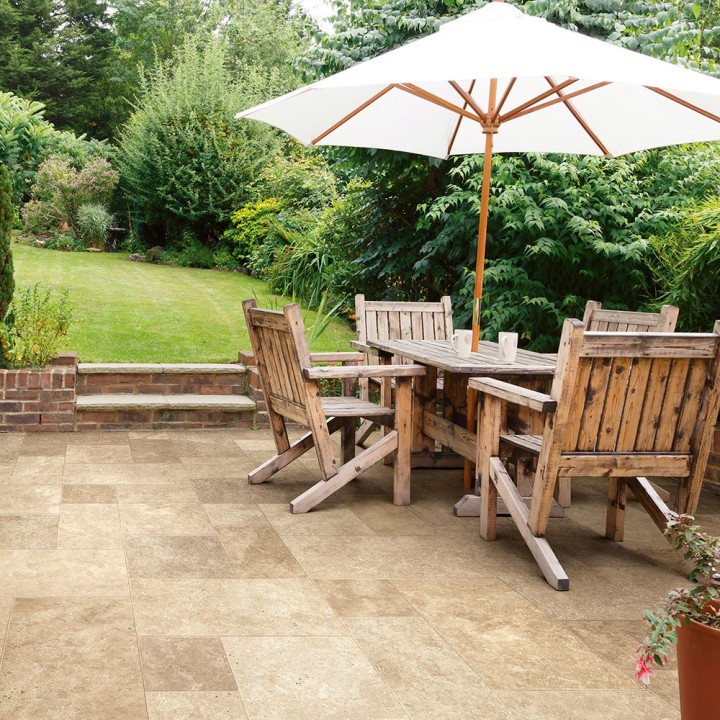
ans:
(457, 124)
(581, 120)
(685, 103)
(351, 114)
(510, 115)
(503, 99)
(516, 114)
(436, 100)
(469, 100)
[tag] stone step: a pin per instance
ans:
(129, 402)
(160, 368)
(161, 378)
(127, 411)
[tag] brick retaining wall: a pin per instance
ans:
(39, 400)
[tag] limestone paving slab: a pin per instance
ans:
(173, 664)
(306, 678)
(258, 552)
(124, 474)
(28, 531)
(98, 454)
(71, 658)
(190, 705)
(65, 571)
(225, 607)
(42, 470)
(236, 515)
(89, 526)
(26, 499)
(165, 518)
(194, 556)
(89, 494)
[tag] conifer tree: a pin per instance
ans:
(7, 215)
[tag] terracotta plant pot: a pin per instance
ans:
(698, 652)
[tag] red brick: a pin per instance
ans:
(53, 417)
(10, 406)
(22, 418)
(65, 358)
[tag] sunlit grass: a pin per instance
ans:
(138, 312)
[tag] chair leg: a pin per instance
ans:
(265, 471)
(538, 546)
(562, 492)
(403, 426)
(323, 489)
(364, 432)
(617, 498)
(347, 439)
(651, 501)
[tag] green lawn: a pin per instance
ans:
(138, 312)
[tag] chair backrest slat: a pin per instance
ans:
(638, 392)
(600, 320)
(386, 320)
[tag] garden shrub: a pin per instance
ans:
(189, 252)
(301, 181)
(185, 161)
(38, 321)
(61, 189)
(7, 216)
(92, 225)
(251, 226)
(27, 139)
(686, 266)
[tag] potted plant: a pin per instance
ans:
(690, 617)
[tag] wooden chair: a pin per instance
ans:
(292, 393)
(597, 319)
(622, 406)
(387, 320)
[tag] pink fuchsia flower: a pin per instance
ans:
(643, 672)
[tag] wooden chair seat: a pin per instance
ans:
(291, 388)
(354, 407)
(622, 406)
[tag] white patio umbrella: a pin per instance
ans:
(497, 79)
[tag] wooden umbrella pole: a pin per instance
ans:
(482, 235)
(489, 128)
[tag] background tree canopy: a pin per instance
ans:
(163, 79)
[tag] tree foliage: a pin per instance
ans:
(562, 228)
(61, 53)
(185, 162)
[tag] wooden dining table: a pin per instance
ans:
(440, 411)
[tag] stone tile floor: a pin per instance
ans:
(141, 577)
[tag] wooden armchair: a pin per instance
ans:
(597, 319)
(622, 406)
(292, 393)
(388, 320)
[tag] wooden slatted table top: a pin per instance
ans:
(440, 354)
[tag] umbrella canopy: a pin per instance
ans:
(499, 80)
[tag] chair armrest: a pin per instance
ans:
(363, 371)
(362, 347)
(337, 357)
(248, 358)
(514, 393)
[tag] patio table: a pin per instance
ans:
(441, 416)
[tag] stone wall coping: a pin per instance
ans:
(237, 403)
(161, 368)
